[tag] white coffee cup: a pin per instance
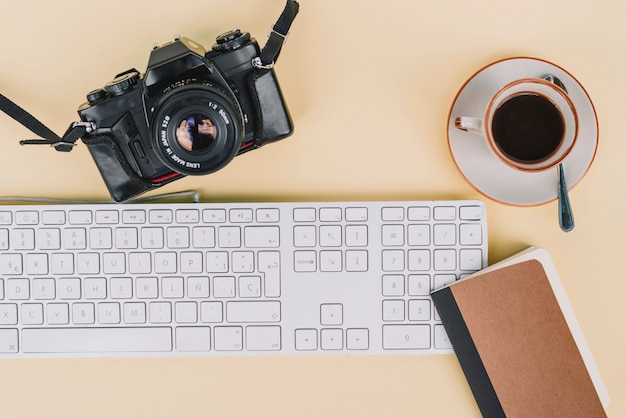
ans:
(530, 124)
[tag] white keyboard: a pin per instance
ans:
(331, 278)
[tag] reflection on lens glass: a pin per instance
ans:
(196, 132)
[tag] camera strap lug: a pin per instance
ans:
(277, 37)
(68, 141)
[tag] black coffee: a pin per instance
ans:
(528, 128)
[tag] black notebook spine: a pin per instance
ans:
(466, 352)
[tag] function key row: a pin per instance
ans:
(139, 216)
(388, 214)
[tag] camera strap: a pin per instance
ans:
(277, 37)
(65, 143)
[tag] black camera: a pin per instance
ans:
(190, 113)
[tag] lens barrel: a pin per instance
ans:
(197, 129)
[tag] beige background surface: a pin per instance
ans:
(369, 84)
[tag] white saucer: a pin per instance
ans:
(483, 170)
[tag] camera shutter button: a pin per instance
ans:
(231, 40)
(120, 84)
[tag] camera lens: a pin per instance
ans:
(197, 128)
(196, 132)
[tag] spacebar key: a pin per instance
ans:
(96, 340)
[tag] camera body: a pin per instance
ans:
(190, 113)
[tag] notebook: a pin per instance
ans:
(518, 341)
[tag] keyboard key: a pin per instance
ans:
(404, 337)
(470, 234)
(331, 314)
(444, 234)
(331, 339)
(172, 287)
(357, 339)
(229, 236)
(356, 236)
(8, 314)
(268, 311)
(330, 214)
(261, 236)
(393, 235)
(445, 260)
(306, 339)
(357, 260)
(26, 217)
(17, 289)
(95, 288)
(109, 217)
(263, 338)
(10, 264)
(214, 216)
(305, 261)
(160, 312)
(8, 341)
(393, 260)
(96, 340)
(53, 217)
(6, 218)
(43, 289)
(134, 217)
(419, 310)
(228, 338)
(356, 214)
(470, 259)
(22, 239)
(304, 236)
(198, 287)
(240, 215)
(393, 285)
(330, 236)
(304, 215)
(193, 338)
(80, 217)
(58, 314)
(187, 216)
(36, 264)
(211, 312)
(444, 213)
(186, 312)
(4, 239)
(83, 313)
(393, 310)
(177, 237)
(470, 213)
(331, 261)
(267, 215)
(109, 313)
(441, 338)
(419, 284)
(418, 235)
(269, 266)
(393, 214)
(419, 213)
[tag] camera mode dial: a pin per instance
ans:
(231, 40)
(121, 83)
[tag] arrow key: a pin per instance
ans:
(357, 339)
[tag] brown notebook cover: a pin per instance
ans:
(518, 341)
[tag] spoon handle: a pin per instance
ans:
(566, 216)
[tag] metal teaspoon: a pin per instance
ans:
(566, 215)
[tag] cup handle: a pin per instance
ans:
(469, 124)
